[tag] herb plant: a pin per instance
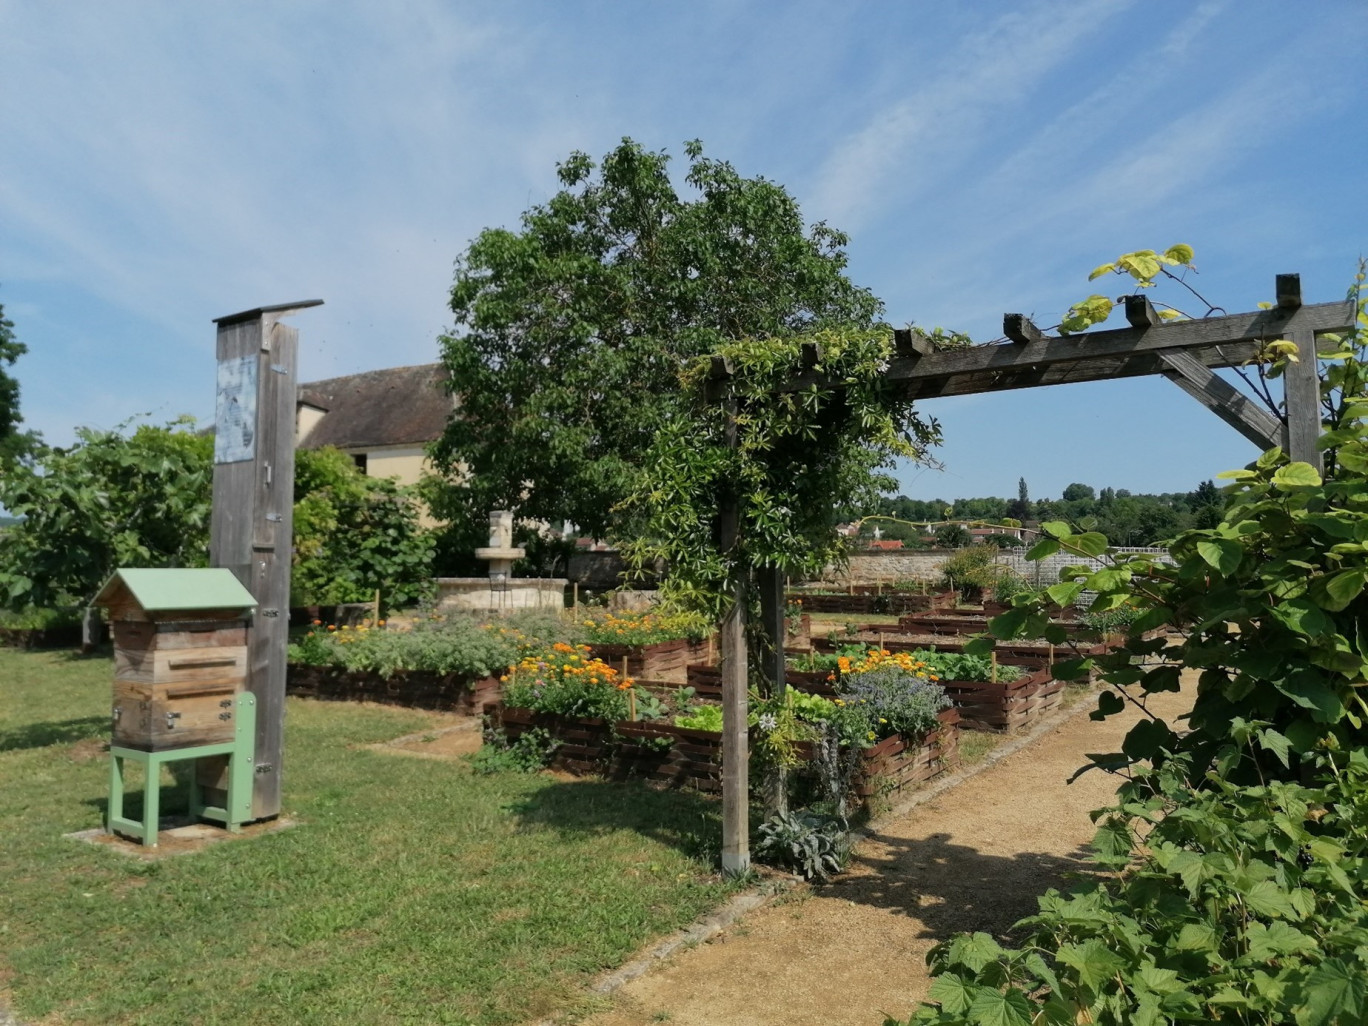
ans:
(812, 845)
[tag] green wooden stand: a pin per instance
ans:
(240, 752)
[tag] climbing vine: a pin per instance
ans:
(802, 454)
(1236, 854)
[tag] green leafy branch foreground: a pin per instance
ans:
(1233, 868)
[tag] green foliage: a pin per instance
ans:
(531, 751)
(973, 570)
(13, 443)
(33, 618)
(953, 536)
(1125, 517)
(812, 845)
(967, 667)
(646, 628)
(354, 535)
(570, 331)
(1009, 585)
(457, 645)
(1238, 847)
(111, 499)
(701, 717)
(893, 701)
(1144, 265)
(1109, 621)
(562, 679)
(1238, 904)
(800, 455)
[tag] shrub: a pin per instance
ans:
(530, 752)
(1241, 905)
(973, 570)
(810, 844)
(32, 618)
(894, 701)
(1110, 621)
(456, 644)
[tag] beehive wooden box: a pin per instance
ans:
(180, 656)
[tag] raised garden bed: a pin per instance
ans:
(417, 689)
(871, 599)
(985, 705)
(974, 622)
(707, 681)
(694, 757)
(663, 661)
(1013, 653)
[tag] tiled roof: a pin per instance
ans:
(395, 406)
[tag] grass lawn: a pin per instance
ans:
(413, 890)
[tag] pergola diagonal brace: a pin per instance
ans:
(1222, 399)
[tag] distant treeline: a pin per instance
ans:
(1124, 517)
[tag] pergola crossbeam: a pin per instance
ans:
(1223, 399)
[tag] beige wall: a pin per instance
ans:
(406, 463)
(306, 419)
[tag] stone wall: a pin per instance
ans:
(925, 564)
(886, 567)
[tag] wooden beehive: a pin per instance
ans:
(180, 656)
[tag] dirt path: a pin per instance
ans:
(973, 859)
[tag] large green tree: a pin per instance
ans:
(570, 333)
(12, 440)
(355, 535)
(143, 498)
(111, 499)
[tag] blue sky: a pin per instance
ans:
(165, 164)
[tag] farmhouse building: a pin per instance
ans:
(383, 419)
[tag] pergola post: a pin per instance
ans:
(252, 521)
(773, 668)
(1301, 381)
(735, 736)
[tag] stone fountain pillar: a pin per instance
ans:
(500, 553)
(500, 592)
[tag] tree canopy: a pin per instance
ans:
(109, 500)
(143, 498)
(571, 332)
(12, 441)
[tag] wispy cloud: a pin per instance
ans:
(914, 142)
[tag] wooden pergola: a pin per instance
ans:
(1185, 352)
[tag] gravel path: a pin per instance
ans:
(974, 858)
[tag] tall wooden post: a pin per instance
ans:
(1301, 380)
(735, 736)
(252, 523)
(773, 668)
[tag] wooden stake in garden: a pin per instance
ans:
(252, 521)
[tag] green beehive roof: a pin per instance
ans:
(159, 590)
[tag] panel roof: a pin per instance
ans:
(183, 588)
